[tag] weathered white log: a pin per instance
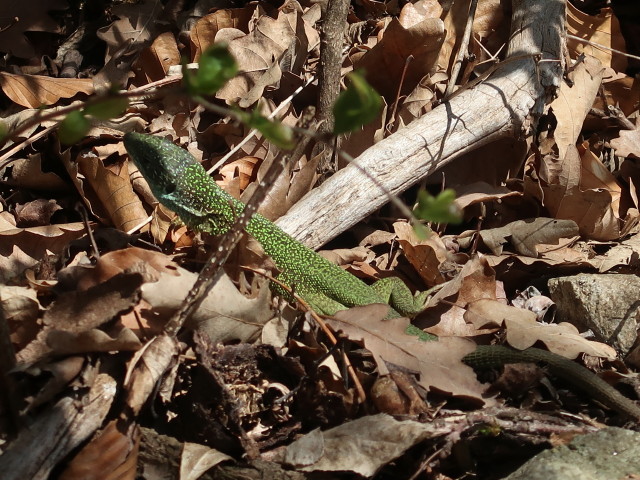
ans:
(507, 104)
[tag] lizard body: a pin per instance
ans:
(180, 183)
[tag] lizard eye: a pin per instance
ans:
(170, 188)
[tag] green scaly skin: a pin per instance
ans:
(181, 184)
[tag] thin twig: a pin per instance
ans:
(462, 51)
(602, 47)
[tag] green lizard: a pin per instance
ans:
(180, 183)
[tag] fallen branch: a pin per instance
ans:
(507, 104)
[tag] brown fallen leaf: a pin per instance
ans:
(439, 363)
(523, 330)
(525, 235)
(81, 311)
(602, 29)
(426, 256)
(22, 248)
(111, 455)
(33, 91)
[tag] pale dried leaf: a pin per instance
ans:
(627, 144)
(572, 103)
(224, 315)
(362, 446)
(197, 459)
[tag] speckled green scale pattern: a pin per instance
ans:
(180, 183)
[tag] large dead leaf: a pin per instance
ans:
(34, 91)
(523, 331)
(224, 315)
(439, 363)
(362, 446)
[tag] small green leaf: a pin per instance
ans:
(358, 105)
(440, 209)
(108, 108)
(73, 128)
(216, 67)
(277, 133)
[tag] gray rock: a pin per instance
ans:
(605, 304)
(607, 454)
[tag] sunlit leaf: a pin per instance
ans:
(439, 209)
(358, 105)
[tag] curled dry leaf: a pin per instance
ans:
(426, 256)
(20, 308)
(525, 235)
(523, 331)
(573, 103)
(65, 343)
(579, 187)
(148, 263)
(108, 192)
(22, 248)
(197, 459)
(147, 368)
(628, 142)
(33, 91)
(28, 173)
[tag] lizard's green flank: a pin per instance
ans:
(180, 183)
